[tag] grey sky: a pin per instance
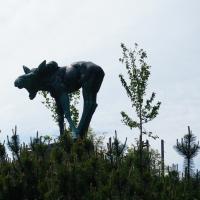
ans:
(68, 31)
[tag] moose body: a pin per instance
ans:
(59, 82)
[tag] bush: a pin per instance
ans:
(84, 170)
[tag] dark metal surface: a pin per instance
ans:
(60, 81)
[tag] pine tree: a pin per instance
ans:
(188, 148)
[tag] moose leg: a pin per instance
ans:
(64, 101)
(60, 118)
(90, 90)
(89, 108)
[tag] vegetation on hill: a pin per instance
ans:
(85, 169)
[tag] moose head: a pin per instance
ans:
(31, 80)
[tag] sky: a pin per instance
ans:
(67, 31)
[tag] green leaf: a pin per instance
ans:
(128, 121)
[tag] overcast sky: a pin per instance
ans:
(68, 31)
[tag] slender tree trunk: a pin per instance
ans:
(149, 158)
(162, 158)
(188, 158)
(188, 169)
(141, 143)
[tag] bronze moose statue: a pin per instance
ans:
(59, 82)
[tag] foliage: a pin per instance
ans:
(188, 148)
(50, 103)
(138, 72)
(84, 170)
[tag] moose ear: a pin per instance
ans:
(26, 70)
(42, 66)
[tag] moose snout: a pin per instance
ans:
(17, 84)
